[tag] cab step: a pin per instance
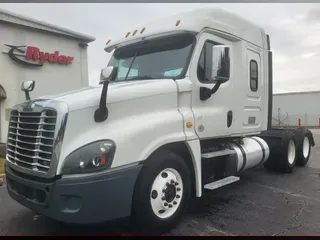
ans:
(220, 153)
(220, 183)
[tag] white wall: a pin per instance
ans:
(304, 106)
(50, 78)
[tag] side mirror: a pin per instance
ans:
(26, 87)
(217, 68)
(107, 74)
(220, 63)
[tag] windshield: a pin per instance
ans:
(154, 59)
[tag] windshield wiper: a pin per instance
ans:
(134, 58)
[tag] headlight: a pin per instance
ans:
(93, 157)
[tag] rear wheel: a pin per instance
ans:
(161, 193)
(283, 150)
(303, 138)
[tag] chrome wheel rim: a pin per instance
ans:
(305, 147)
(166, 193)
(291, 152)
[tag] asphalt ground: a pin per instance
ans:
(261, 203)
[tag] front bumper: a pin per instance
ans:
(79, 200)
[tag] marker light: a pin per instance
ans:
(128, 34)
(142, 30)
(178, 22)
(108, 41)
(134, 32)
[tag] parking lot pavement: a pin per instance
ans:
(260, 203)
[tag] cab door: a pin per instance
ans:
(214, 117)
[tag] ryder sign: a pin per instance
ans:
(33, 56)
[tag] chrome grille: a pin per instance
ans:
(31, 139)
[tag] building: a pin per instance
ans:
(292, 109)
(54, 57)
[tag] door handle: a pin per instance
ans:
(229, 118)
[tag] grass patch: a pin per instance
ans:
(1, 165)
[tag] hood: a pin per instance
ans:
(117, 91)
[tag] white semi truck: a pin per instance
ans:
(185, 104)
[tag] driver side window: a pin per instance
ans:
(202, 70)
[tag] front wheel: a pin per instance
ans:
(161, 194)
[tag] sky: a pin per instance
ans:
(294, 29)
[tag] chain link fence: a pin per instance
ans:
(285, 119)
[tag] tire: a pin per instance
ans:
(283, 150)
(155, 209)
(304, 142)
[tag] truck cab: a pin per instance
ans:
(184, 104)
